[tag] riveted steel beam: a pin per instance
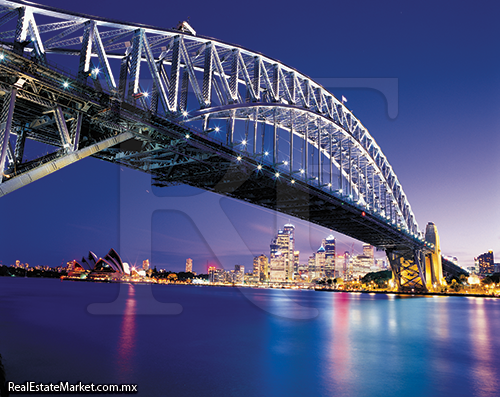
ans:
(5, 126)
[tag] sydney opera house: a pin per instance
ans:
(110, 268)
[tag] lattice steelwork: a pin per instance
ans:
(188, 108)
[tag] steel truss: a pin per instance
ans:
(409, 269)
(183, 107)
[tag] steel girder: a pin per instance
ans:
(408, 267)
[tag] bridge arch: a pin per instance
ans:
(157, 91)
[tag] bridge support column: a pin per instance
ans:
(433, 264)
(5, 126)
(408, 270)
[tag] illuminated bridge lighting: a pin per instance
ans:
(158, 131)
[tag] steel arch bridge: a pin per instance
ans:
(191, 109)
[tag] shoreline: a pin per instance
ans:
(474, 295)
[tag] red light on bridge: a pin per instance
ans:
(363, 213)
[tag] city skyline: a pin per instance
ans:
(442, 143)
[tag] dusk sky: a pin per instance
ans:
(439, 130)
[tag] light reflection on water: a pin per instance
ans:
(127, 338)
(339, 348)
(222, 344)
(484, 368)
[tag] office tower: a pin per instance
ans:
(277, 268)
(283, 245)
(239, 274)
(381, 264)
(189, 265)
(256, 268)
(145, 265)
(486, 263)
(368, 251)
(316, 264)
(221, 276)
(290, 229)
(361, 265)
(320, 260)
(329, 245)
(296, 257)
(347, 268)
(261, 268)
(211, 274)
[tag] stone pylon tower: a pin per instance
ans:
(433, 265)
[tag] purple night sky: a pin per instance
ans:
(443, 143)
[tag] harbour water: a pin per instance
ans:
(252, 342)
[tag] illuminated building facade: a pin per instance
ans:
(284, 245)
(329, 245)
(316, 264)
(211, 274)
(277, 268)
(261, 268)
(239, 274)
(189, 265)
(347, 269)
(368, 251)
(486, 263)
(296, 258)
(361, 265)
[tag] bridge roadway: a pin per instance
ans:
(40, 102)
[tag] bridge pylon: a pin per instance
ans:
(408, 269)
(417, 269)
(433, 263)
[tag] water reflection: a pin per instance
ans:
(483, 369)
(127, 337)
(289, 304)
(441, 318)
(438, 326)
(340, 362)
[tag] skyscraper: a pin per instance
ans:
(239, 274)
(368, 251)
(329, 245)
(256, 268)
(486, 263)
(277, 271)
(211, 274)
(261, 268)
(290, 229)
(189, 265)
(347, 266)
(316, 264)
(283, 245)
(296, 258)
